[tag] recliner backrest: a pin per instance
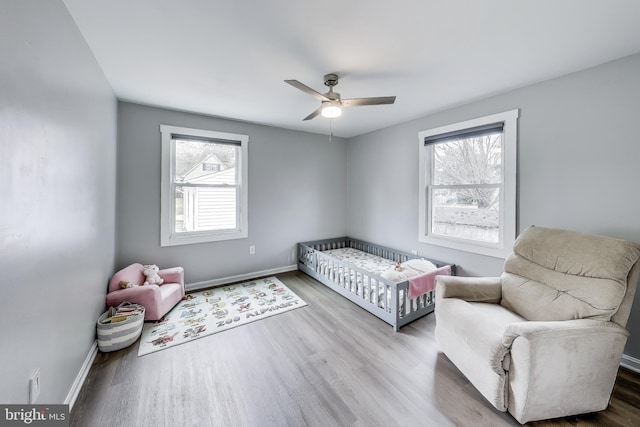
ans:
(557, 274)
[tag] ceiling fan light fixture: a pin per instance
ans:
(331, 109)
(331, 103)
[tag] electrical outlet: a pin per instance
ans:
(34, 386)
(252, 250)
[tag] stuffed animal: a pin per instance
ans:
(125, 284)
(151, 272)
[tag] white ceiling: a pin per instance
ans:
(229, 58)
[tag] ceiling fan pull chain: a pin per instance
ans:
(330, 129)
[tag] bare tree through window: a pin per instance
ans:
(467, 175)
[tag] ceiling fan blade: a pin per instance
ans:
(376, 100)
(307, 90)
(312, 115)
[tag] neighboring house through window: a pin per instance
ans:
(204, 186)
(468, 185)
(211, 167)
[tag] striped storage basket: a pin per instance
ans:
(118, 335)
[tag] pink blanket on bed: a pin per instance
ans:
(423, 283)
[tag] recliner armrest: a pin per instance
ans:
(550, 330)
(472, 289)
(561, 367)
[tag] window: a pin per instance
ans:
(211, 167)
(468, 185)
(204, 186)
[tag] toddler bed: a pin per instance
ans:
(394, 286)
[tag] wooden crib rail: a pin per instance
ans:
(394, 306)
(381, 251)
(388, 253)
(328, 244)
(356, 284)
(372, 248)
(352, 282)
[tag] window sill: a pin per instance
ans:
(189, 239)
(468, 246)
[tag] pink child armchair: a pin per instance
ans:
(156, 299)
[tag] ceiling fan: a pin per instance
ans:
(332, 105)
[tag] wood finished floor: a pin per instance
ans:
(327, 364)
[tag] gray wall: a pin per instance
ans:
(297, 192)
(57, 175)
(578, 145)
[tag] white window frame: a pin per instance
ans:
(508, 195)
(168, 236)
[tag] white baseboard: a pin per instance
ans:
(82, 376)
(189, 287)
(630, 363)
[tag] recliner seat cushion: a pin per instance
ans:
(562, 275)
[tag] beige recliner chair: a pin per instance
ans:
(545, 339)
